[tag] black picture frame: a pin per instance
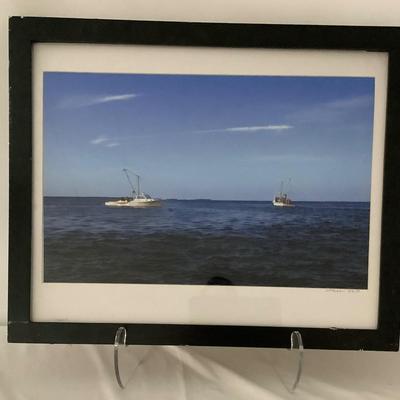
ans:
(25, 31)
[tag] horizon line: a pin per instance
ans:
(206, 199)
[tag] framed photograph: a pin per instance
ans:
(204, 183)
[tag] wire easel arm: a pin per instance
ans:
(296, 341)
(121, 333)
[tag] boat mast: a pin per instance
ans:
(281, 193)
(138, 184)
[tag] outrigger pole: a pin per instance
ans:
(130, 182)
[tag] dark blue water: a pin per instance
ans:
(315, 244)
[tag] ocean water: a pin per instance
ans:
(315, 244)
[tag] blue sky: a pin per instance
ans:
(199, 136)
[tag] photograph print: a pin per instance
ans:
(207, 179)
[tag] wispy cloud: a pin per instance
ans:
(99, 140)
(250, 129)
(119, 97)
(351, 103)
(104, 142)
(333, 111)
(112, 144)
(87, 101)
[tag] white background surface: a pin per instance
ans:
(85, 372)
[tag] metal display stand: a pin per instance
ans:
(296, 343)
(121, 333)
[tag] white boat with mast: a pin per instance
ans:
(138, 199)
(282, 200)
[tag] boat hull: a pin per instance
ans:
(136, 203)
(280, 204)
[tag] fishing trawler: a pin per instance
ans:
(138, 199)
(282, 200)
